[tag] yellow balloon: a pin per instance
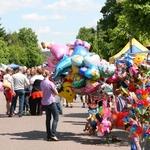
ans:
(67, 92)
(70, 77)
(139, 59)
(75, 69)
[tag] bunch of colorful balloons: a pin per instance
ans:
(82, 69)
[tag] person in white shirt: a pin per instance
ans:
(18, 82)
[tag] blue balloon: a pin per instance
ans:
(80, 50)
(82, 70)
(65, 63)
(62, 66)
(107, 70)
(92, 72)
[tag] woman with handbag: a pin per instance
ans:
(7, 80)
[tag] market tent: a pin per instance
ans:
(13, 66)
(3, 67)
(136, 48)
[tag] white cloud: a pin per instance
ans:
(74, 5)
(34, 16)
(45, 29)
(6, 5)
(58, 17)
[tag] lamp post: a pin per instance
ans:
(94, 33)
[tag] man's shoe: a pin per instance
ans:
(54, 138)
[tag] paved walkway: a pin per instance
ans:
(28, 132)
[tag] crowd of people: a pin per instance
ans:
(35, 93)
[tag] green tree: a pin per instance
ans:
(89, 35)
(137, 16)
(111, 12)
(132, 23)
(29, 43)
(17, 55)
(2, 31)
(4, 52)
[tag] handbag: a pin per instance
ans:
(6, 84)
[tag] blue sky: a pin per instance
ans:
(51, 20)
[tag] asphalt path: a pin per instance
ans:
(29, 132)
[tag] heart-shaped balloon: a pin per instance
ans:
(92, 59)
(91, 86)
(92, 73)
(78, 81)
(113, 79)
(77, 60)
(107, 70)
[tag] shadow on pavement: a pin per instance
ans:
(30, 135)
(76, 123)
(81, 138)
(76, 115)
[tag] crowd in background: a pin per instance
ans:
(26, 81)
(30, 102)
(36, 92)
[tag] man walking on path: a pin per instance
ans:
(19, 80)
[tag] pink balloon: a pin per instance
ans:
(49, 68)
(105, 125)
(52, 61)
(58, 51)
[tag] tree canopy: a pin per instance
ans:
(20, 48)
(120, 23)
